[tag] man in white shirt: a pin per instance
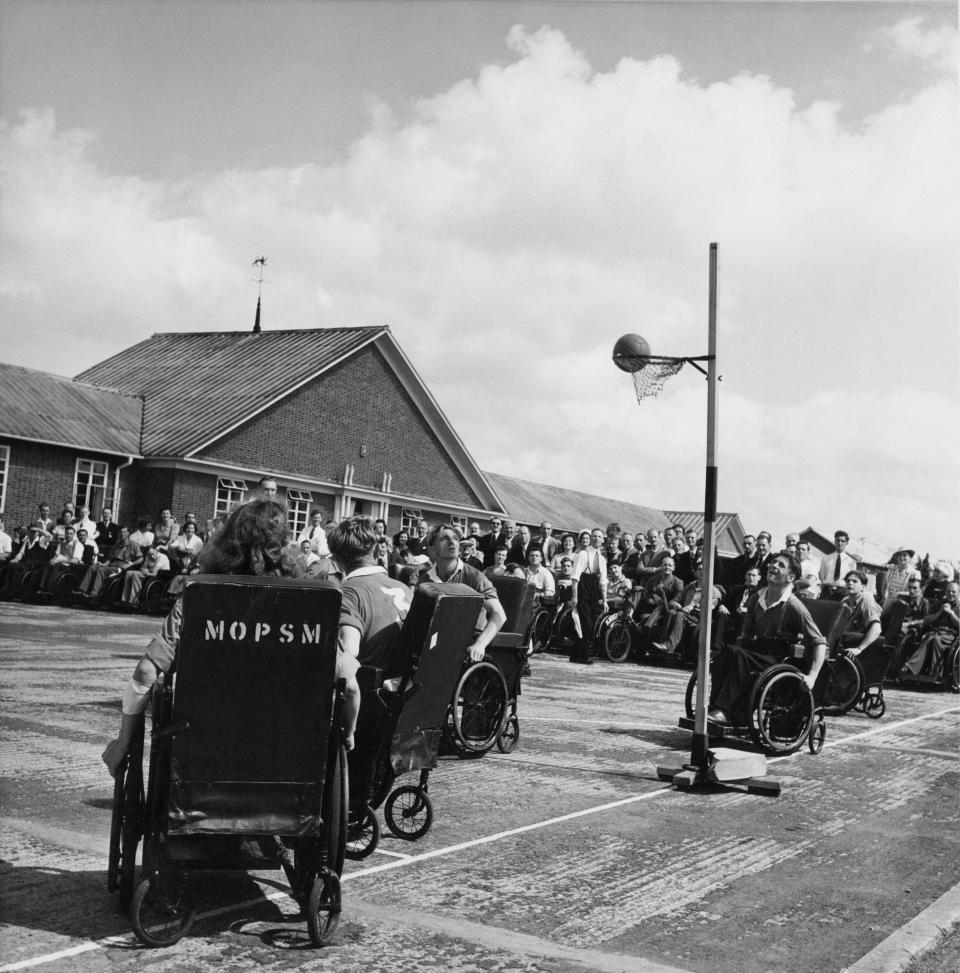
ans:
(6, 544)
(808, 584)
(315, 533)
(538, 575)
(835, 567)
(68, 552)
(589, 594)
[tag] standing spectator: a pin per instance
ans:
(418, 542)
(547, 543)
(808, 584)
(644, 567)
(764, 551)
(626, 544)
(83, 522)
(315, 533)
(266, 487)
(520, 547)
(44, 521)
(212, 525)
(899, 573)
(491, 540)
(567, 545)
(590, 594)
(835, 567)
(58, 531)
(107, 530)
(738, 567)
(6, 544)
(469, 554)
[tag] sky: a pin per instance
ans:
(509, 187)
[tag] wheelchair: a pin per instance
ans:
(483, 708)
(617, 633)
(227, 788)
(855, 682)
(782, 712)
(402, 718)
(541, 627)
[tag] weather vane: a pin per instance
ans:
(260, 262)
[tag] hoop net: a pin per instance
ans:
(651, 375)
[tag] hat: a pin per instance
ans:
(904, 550)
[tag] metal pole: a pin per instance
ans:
(698, 756)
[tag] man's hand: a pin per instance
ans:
(810, 680)
(476, 652)
(723, 610)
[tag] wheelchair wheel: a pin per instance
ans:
(873, 704)
(617, 640)
(541, 630)
(781, 710)
(479, 706)
(335, 800)
(509, 735)
(323, 907)
(409, 812)
(690, 695)
(363, 836)
(952, 670)
(154, 596)
(125, 831)
(163, 909)
(844, 682)
(565, 631)
(816, 736)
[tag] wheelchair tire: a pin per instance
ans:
(335, 802)
(690, 695)
(163, 910)
(781, 710)
(873, 704)
(541, 630)
(409, 812)
(154, 598)
(816, 736)
(617, 640)
(952, 671)
(323, 907)
(843, 687)
(363, 836)
(565, 633)
(509, 735)
(479, 706)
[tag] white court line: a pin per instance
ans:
(638, 726)
(449, 850)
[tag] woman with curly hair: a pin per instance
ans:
(251, 542)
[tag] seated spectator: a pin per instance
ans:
(520, 546)
(938, 635)
(538, 575)
(775, 619)
(125, 554)
(58, 531)
(166, 531)
(661, 603)
(512, 570)
(936, 589)
(108, 530)
(612, 552)
(211, 526)
(6, 547)
(304, 560)
(917, 609)
(155, 561)
(626, 544)
(564, 580)
(31, 556)
(899, 572)
(91, 550)
(315, 533)
(808, 584)
(691, 601)
(68, 552)
(568, 544)
(183, 554)
(143, 535)
(44, 521)
(646, 564)
(382, 552)
(418, 541)
(863, 626)
(499, 565)
(547, 542)
(618, 587)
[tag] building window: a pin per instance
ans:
(230, 493)
(460, 523)
(4, 467)
(90, 484)
(409, 520)
(298, 510)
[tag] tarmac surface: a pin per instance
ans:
(567, 855)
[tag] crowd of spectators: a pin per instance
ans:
(73, 558)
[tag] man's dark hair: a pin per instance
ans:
(856, 574)
(434, 533)
(793, 565)
(352, 539)
(841, 533)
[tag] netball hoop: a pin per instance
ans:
(649, 373)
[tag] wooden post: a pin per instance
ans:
(698, 755)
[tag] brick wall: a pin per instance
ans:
(319, 429)
(36, 473)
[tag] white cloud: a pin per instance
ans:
(908, 38)
(516, 224)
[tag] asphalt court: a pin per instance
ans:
(566, 854)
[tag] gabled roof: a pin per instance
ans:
(47, 408)
(531, 503)
(729, 530)
(197, 386)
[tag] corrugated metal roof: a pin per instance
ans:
(54, 409)
(729, 530)
(199, 385)
(531, 503)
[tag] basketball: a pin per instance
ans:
(628, 351)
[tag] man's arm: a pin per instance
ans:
(496, 616)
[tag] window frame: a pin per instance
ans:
(295, 498)
(224, 503)
(89, 498)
